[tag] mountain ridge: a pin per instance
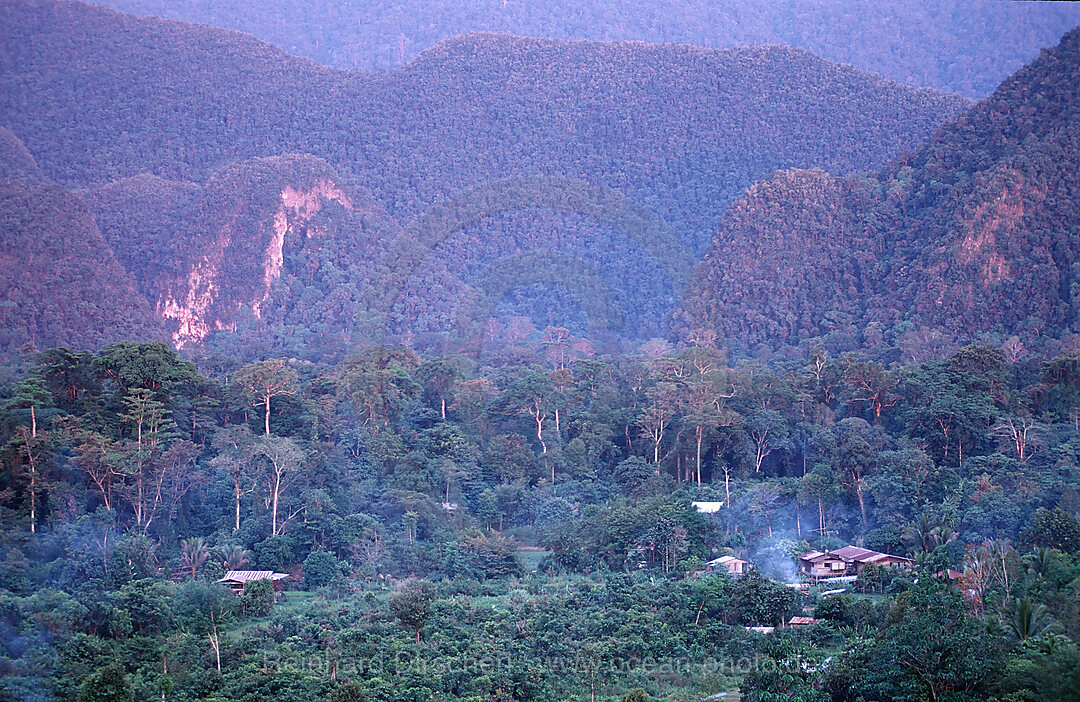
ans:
(951, 46)
(974, 233)
(683, 131)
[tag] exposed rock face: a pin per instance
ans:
(297, 209)
(265, 243)
(975, 234)
(240, 234)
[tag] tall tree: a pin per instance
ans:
(706, 407)
(854, 459)
(438, 377)
(150, 365)
(31, 394)
(411, 605)
(31, 451)
(265, 380)
(869, 384)
(236, 455)
(95, 455)
(379, 384)
(534, 396)
(152, 428)
(284, 459)
(658, 415)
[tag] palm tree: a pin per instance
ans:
(234, 557)
(928, 533)
(193, 553)
(1038, 561)
(1029, 619)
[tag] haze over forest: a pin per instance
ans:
(604, 351)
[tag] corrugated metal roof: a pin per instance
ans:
(850, 554)
(854, 553)
(244, 576)
(883, 556)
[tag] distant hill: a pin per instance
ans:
(59, 281)
(15, 161)
(977, 232)
(268, 242)
(674, 131)
(962, 47)
(138, 217)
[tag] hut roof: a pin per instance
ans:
(246, 576)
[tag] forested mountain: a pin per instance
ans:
(264, 243)
(15, 161)
(961, 47)
(59, 281)
(318, 385)
(605, 134)
(975, 233)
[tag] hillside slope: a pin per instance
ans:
(962, 47)
(98, 96)
(278, 241)
(975, 233)
(16, 162)
(59, 281)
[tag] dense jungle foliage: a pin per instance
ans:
(957, 47)
(974, 233)
(59, 278)
(519, 525)
(101, 99)
(505, 511)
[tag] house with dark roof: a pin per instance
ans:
(846, 562)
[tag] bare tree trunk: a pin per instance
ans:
(277, 492)
(700, 430)
(33, 477)
(540, 432)
(215, 642)
(139, 496)
(266, 422)
(33, 505)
